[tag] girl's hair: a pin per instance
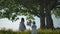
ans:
(22, 19)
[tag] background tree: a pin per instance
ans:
(40, 8)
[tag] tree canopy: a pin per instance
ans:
(30, 8)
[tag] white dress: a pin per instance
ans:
(22, 26)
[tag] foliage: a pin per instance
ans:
(56, 12)
(22, 7)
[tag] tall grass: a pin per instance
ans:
(29, 32)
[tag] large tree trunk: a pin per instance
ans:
(42, 17)
(49, 20)
(42, 21)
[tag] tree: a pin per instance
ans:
(49, 5)
(40, 8)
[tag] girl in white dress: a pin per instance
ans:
(22, 26)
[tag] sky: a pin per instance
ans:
(7, 24)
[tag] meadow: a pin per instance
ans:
(29, 32)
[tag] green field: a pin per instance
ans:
(29, 32)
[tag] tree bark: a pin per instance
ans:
(49, 20)
(42, 21)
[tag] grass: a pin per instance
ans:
(29, 32)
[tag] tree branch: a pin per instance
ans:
(33, 12)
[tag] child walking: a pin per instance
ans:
(34, 28)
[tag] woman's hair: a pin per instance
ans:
(22, 19)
